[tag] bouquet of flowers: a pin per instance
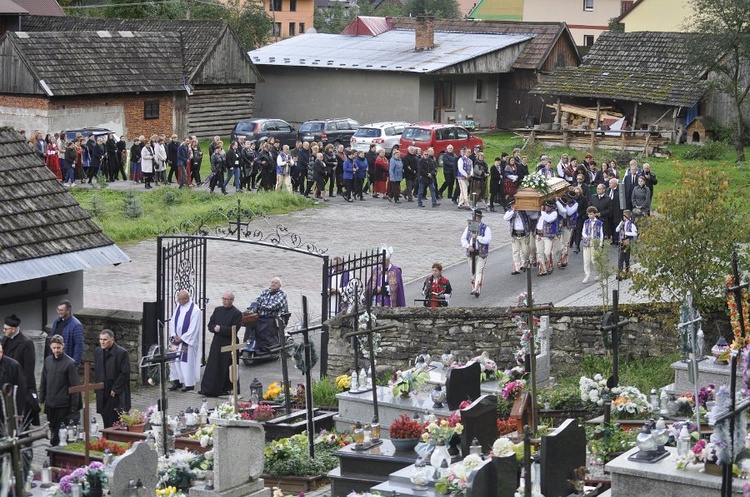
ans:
(537, 181)
(630, 402)
(408, 381)
(685, 405)
(343, 382)
(333, 439)
(513, 389)
(702, 452)
(489, 367)
(593, 389)
(133, 417)
(503, 447)
(706, 394)
(169, 492)
(177, 470)
(225, 411)
(205, 434)
(445, 428)
(273, 391)
(91, 476)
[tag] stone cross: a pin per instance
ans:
(13, 443)
(233, 348)
(87, 387)
(687, 326)
(530, 309)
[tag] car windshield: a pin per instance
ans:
(416, 134)
(367, 133)
(311, 127)
(245, 127)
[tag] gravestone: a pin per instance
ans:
(480, 422)
(543, 366)
(138, 463)
(563, 451)
(482, 481)
(506, 471)
(238, 460)
(463, 384)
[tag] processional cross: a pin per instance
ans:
(529, 309)
(86, 387)
(233, 348)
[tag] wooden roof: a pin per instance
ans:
(93, 62)
(199, 37)
(40, 217)
(533, 56)
(649, 67)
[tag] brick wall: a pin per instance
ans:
(424, 34)
(470, 331)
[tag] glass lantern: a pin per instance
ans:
(447, 358)
(255, 391)
(421, 474)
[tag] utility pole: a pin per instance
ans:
(187, 10)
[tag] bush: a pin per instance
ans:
(290, 457)
(324, 392)
(133, 209)
(711, 150)
(563, 397)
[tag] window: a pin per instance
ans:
(302, 28)
(283, 126)
(274, 5)
(462, 134)
(276, 29)
(588, 40)
(588, 5)
(291, 29)
(151, 109)
(480, 90)
(292, 5)
(625, 6)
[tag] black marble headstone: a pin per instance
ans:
(482, 481)
(506, 469)
(480, 422)
(462, 384)
(562, 453)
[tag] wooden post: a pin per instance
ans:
(596, 124)
(86, 388)
(565, 138)
(635, 115)
(675, 136)
(233, 348)
(558, 117)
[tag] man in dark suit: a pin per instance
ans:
(111, 367)
(629, 182)
(20, 348)
(600, 200)
(615, 209)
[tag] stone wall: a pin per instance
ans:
(127, 328)
(468, 332)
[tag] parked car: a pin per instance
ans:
(338, 131)
(385, 136)
(262, 128)
(70, 134)
(438, 136)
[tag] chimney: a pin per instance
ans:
(424, 33)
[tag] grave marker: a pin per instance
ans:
(463, 384)
(233, 348)
(86, 388)
(138, 463)
(480, 422)
(562, 453)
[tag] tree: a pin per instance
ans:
(334, 19)
(440, 9)
(723, 47)
(688, 245)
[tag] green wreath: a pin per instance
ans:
(299, 357)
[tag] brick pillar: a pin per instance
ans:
(424, 33)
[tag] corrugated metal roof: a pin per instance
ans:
(52, 265)
(390, 51)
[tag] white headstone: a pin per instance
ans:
(138, 463)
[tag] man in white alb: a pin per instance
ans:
(185, 337)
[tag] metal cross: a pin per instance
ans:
(86, 387)
(233, 348)
(14, 441)
(530, 309)
(611, 322)
(690, 333)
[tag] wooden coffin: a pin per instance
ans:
(528, 199)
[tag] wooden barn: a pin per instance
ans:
(633, 90)
(46, 238)
(217, 77)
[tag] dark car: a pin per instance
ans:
(262, 128)
(338, 131)
(438, 136)
(71, 134)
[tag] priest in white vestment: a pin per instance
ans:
(185, 337)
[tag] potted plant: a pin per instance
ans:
(405, 432)
(91, 479)
(133, 420)
(405, 382)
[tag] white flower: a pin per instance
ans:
(503, 447)
(205, 440)
(598, 377)
(472, 461)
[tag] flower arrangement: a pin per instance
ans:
(705, 394)
(180, 469)
(513, 389)
(273, 391)
(133, 417)
(608, 438)
(489, 367)
(506, 426)
(407, 381)
(91, 476)
(102, 444)
(343, 382)
(593, 390)
(630, 402)
(685, 405)
(445, 428)
(225, 411)
(455, 483)
(169, 492)
(537, 181)
(205, 434)
(290, 457)
(333, 439)
(262, 412)
(405, 427)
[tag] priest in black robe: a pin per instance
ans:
(216, 378)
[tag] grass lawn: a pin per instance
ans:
(165, 208)
(502, 141)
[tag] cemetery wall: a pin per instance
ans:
(470, 331)
(126, 326)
